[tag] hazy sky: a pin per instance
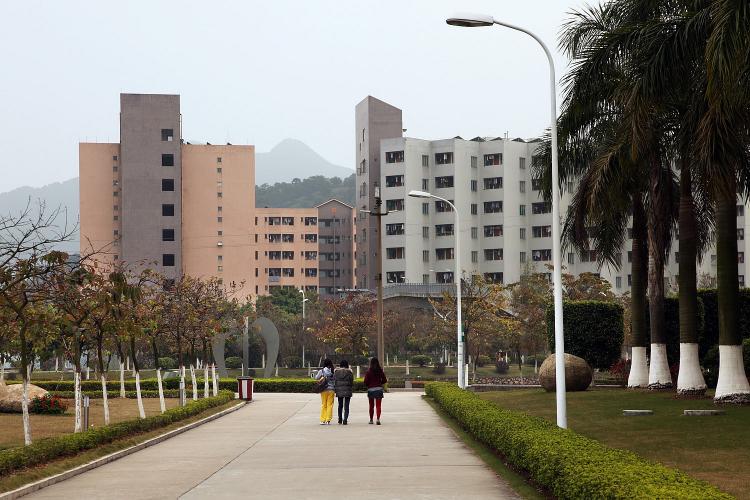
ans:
(258, 72)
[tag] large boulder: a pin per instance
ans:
(12, 395)
(578, 373)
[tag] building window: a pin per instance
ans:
(493, 230)
(493, 183)
(114, 168)
(394, 253)
(741, 280)
(115, 193)
(740, 257)
(394, 229)
(443, 206)
(740, 210)
(219, 268)
(311, 221)
(521, 209)
(541, 255)
(443, 158)
(167, 134)
(493, 207)
(394, 180)
(588, 256)
(425, 160)
(536, 184)
(362, 167)
(571, 258)
(116, 217)
(542, 207)
(219, 194)
(394, 205)
(167, 210)
(522, 233)
(474, 233)
(494, 277)
(167, 160)
(167, 260)
(541, 231)
(114, 158)
(473, 162)
(425, 256)
(167, 184)
(218, 159)
(425, 279)
(425, 232)
(522, 186)
(425, 184)
(444, 182)
(425, 208)
(395, 276)
(630, 280)
(394, 157)
(522, 163)
(522, 257)
(444, 230)
(218, 170)
(493, 159)
(444, 253)
(116, 208)
(474, 209)
(740, 233)
(473, 185)
(618, 284)
(167, 235)
(474, 256)
(493, 254)
(444, 277)
(677, 257)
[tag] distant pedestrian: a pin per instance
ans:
(375, 380)
(326, 397)
(343, 384)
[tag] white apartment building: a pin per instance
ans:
(505, 225)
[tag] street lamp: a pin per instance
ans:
(480, 20)
(457, 278)
(302, 291)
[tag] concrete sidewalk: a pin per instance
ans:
(274, 448)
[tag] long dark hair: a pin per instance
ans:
(327, 363)
(375, 367)
(344, 364)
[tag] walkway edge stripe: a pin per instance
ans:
(57, 478)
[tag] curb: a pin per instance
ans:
(57, 478)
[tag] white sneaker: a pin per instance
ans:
(322, 423)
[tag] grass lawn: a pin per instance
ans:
(11, 425)
(715, 449)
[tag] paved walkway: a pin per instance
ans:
(274, 448)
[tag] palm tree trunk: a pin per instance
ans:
(639, 268)
(690, 380)
(732, 386)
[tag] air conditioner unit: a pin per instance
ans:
(220, 244)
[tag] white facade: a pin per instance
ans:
(504, 223)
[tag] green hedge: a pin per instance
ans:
(566, 463)
(593, 331)
(171, 393)
(44, 450)
(149, 386)
(672, 327)
(710, 299)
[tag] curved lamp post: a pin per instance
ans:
(479, 20)
(457, 279)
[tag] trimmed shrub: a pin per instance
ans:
(293, 361)
(566, 463)
(593, 331)
(167, 363)
(233, 362)
(710, 334)
(501, 367)
(672, 326)
(292, 385)
(48, 405)
(421, 360)
(439, 369)
(483, 360)
(45, 450)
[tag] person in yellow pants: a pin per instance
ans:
(327, 396)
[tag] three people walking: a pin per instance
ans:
(339, 382)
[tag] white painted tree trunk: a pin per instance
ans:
(195, 384)
(638, 369)
(205, 381)
(732, 386)
(105, 403)
(690, 379)
(122, 379)
(407, 367)
(141, 412)
(127, 363)
(658, 373)
(77, 400)
(2, 371)
(25, 412)
(161, 390)
(536, 365)
(215, 380)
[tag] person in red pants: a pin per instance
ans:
(374, 381)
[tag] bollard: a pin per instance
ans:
(86, 403)
(466, 376)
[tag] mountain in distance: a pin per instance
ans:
(292, 159)
(278, 178)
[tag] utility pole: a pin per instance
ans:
(379, 275)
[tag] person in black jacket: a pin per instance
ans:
(343, 384)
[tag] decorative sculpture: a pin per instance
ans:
(267, 331)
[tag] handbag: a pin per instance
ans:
(321, 385)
